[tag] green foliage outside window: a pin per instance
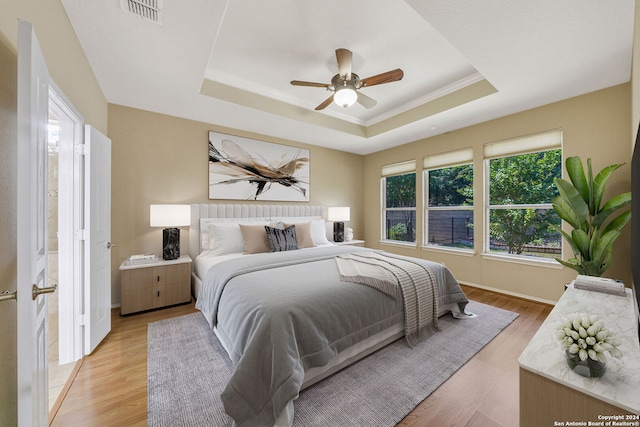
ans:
(449, 210)
(525, 179)
(400, 203)
(398, 232)
(401, 191)
(452, 186)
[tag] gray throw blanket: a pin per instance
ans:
(389, 273)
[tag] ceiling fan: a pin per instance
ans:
(345, 85)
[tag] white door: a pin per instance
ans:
(33, 108)
(98, 242)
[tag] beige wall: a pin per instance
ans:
(635, 74)
(163, 159)
(154, 158)
(71, 72)
(68, 65)
(8, 225)
(595, 125)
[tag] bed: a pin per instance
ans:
(285, 318)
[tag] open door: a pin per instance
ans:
(33, 111)
(32, 214)
(98, 241)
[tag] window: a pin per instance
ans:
(520, 191)
(448, 187)
(399, 202)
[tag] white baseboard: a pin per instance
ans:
(513, 294)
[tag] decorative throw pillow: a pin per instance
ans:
(255, 239)
(282, 240)
(303, 234)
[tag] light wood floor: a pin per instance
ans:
(110, 388)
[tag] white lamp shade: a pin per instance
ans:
(169, 215)
(338, 214)
(345, 97)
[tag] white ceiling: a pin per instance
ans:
(229, 63)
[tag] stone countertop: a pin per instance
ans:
(620, 385)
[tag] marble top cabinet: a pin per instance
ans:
(552, 394)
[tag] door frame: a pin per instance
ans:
(70, 220)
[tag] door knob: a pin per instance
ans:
(35, 290)
(7, 295)
(110, 245)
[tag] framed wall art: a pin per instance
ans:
(248, 169)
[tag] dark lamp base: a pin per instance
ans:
(338, 231)
(171, 243)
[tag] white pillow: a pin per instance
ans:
(319, 232)
(294, 219)
(206, 230)
(225, 238)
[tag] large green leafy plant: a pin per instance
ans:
(580, 204)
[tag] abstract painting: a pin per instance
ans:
(248, 169)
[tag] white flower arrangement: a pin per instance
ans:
(587, 337)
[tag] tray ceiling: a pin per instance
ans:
(230, 63)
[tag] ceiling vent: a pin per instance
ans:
(149, 10)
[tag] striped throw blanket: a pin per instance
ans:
(393, 275)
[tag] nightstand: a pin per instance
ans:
(350, 242)
(154, 285)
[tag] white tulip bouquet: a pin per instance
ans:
(586, 337)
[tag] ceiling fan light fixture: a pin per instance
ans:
(345, 96)
(346, 82)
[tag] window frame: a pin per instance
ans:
(535, 143)
(396, 169)
(450, 159)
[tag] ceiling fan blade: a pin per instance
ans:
(345, 59)
(312, 84)
(388, 77)
(366, 101)
(325, 104)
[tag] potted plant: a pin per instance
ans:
(580, 204)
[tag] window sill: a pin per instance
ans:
(538, 262)
(398, 243)
(457, 251)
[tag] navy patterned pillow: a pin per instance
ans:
(282, 240)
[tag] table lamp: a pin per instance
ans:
(171, 217)
(338, 215)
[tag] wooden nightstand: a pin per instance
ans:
(351, 242)
(154, 285)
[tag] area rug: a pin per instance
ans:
(188, 369)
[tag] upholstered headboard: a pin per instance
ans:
(248, 211)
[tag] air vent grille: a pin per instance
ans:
(150, 10)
